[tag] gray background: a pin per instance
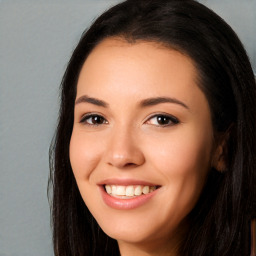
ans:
(36, 41)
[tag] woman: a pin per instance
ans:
(154, 152)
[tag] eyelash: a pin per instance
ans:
(171, 120)
(86, 117)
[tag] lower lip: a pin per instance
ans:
(125, 204)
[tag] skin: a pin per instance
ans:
(128, 143)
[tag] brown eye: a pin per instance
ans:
(93, 120)
(163, 120)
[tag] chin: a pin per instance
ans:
(138, 230)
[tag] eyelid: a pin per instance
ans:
(174, 120)
(88, 115)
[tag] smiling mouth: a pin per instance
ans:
(130, 191)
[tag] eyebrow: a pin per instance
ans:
(144, 103)
(94, 101)
(158, 100)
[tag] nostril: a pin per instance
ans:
(129, 165)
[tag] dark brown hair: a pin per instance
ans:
(221, 219)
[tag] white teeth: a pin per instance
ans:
(108, 189)
(113, 190)
(138, 191)
(120, 190)
(145, 190)
(129, 191)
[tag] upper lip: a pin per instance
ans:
(126, 182)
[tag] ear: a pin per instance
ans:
(220, 154)
(218, 161)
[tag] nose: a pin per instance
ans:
(123, 149)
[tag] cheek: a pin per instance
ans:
(183, 152)
(84, 152)
(184, 160)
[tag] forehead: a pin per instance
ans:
(151, 52)
(121, 62)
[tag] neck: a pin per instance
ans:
(140, 250)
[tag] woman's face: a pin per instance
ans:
(142, 140)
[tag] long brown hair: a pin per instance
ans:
(220, 222)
